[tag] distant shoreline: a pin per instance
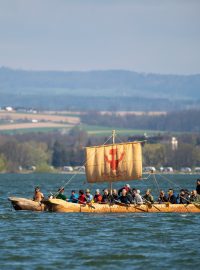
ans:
(81, 173)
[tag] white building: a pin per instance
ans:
(174, 143)
(9, 109)
(34, 121)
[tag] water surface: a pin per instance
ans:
(30, 240)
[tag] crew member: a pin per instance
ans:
(126, 187)
(61, 194)
(38, 195)
(198, 186)
(162, 197)
(106, 196)
(171, 197)
(194, 198)
(97, 196)
(137, 197)
(74, 197)
(82, 199)
(88, 196)
(125, 197)
(148, 197)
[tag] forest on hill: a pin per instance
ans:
(100, 90)
(176, 121)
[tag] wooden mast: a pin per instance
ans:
(113, 142)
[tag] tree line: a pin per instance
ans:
(49, 151)
(181, 121)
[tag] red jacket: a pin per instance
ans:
(97, 198)
(82, 199)
(127, 189)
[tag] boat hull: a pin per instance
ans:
(57, 205)
(26, 204)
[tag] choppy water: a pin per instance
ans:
(30, 240)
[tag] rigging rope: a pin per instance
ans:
(164, 177)
(154, 177)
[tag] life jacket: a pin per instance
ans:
(97, 198)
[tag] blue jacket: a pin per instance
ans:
(173, 199)
(73, 198)
(89, 197)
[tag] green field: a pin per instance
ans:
(91, 130)
(106, 131)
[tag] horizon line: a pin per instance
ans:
(97, 70)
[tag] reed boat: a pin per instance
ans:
(108, 163)
(58, 205)
(27, 204)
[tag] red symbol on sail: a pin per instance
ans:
(114, 162)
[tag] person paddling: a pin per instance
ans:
(89, 196)
(195, 197)
(97, 196)
(125, 198)
(148, 196)
(114, 197)
(106, 196)
(74, 197)
(38, 195)
(61, 194)
(198, 187)
(171, 197)
(162, 197)
(82, 199)
(137, 197)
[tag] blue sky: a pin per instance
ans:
(159, 36)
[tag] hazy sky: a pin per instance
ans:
(161, 36)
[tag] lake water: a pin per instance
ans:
(30, 240)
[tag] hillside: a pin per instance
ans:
(100, 90)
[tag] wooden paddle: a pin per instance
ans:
(151, 204)
(122, 204)
(87, 203)
(129, 205)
